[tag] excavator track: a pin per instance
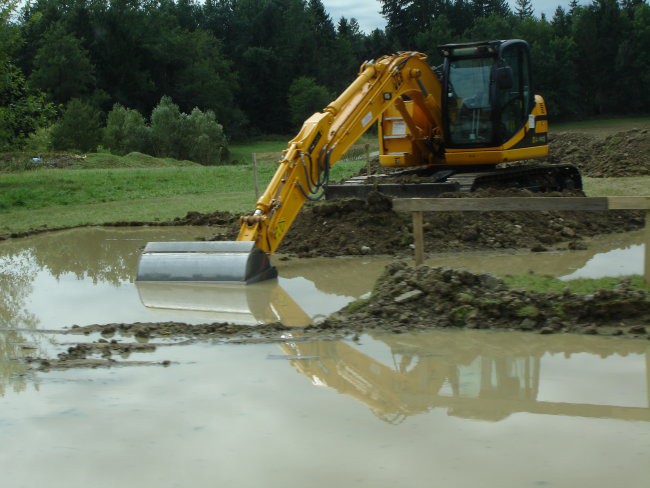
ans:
(539, 178)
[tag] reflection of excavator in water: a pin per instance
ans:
(474, 112)
(479, 376)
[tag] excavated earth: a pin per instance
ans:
(624, 153)
(406, 298)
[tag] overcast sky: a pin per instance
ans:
(367, 11)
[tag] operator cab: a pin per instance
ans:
(487, 92)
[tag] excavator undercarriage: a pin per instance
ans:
(430, 182)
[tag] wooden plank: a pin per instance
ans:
(629, 203)
(497, 204)
(418, 238)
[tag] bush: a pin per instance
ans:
(39, 141)
(79, 127)
(197, 137)
(126, 131)
(166, 129)
(306, 97)
(208, 142)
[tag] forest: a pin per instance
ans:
(182, 78)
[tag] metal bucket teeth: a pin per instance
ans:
(226, 261)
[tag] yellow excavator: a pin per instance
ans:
(454, 123)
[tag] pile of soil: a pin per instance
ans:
(624, 153)
(355, 227)
(407, 298)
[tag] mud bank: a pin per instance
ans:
(118, 341)
(404, 299)
(407, 298)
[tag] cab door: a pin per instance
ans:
(514, 97)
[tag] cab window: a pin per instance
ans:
(469, 110)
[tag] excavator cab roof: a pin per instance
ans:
(481, 49)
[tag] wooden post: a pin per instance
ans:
(647, 366)
(257, 190)
(646, 260)
(368, 158)
(501, 204)
(418, 237)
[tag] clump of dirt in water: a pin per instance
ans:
(119, 340)
(406, 298)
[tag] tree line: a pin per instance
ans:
(236, 68)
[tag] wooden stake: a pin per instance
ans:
(257, 190)
(646, 273)
(418, 237)
(368, 158)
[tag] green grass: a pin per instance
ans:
(16, 162)
(242, 153)
(70, 197)
(539, 283)
(602, 127)
(623, 186)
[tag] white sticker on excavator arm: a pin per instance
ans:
(366, 119)
(399, 128)
(531, 121)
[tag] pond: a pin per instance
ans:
(445, 408)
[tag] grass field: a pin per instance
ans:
(54, 198)
(602, 127)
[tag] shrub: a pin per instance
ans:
(306, 97)
(166, 135)
(206, 136)
(126, 131)
(79, 127)
(197, 137)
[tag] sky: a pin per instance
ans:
(367, 11)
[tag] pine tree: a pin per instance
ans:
(523, 8)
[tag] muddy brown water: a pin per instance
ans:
(450, 408)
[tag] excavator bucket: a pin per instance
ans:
(225, 262)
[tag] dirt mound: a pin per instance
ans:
(624, 153)
(355, 227)
(414, 298)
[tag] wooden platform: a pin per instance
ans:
(528, 204)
